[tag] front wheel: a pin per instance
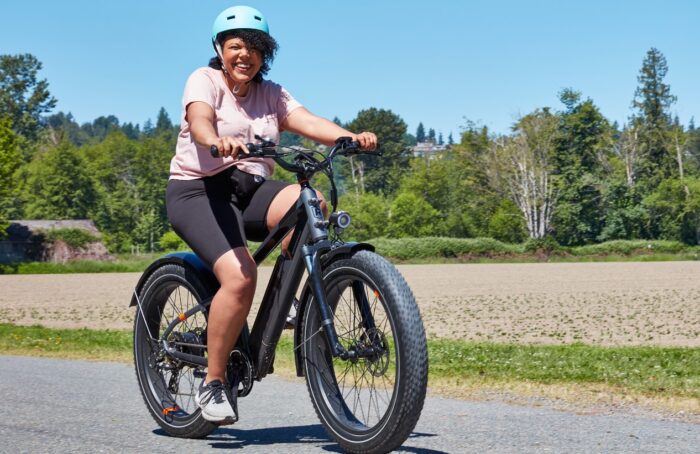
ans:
(370, 403)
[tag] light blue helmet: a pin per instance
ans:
(237, 17)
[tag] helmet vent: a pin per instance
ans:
(231, 17)
(258, 18)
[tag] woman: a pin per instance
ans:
(214, 204)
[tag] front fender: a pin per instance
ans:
(344, 249)
(186, 259)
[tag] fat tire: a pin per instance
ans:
(411, 378)
(193, 426)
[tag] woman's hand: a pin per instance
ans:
(230, 146)
(367, 140)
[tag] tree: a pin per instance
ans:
(101, 127)
(674, 209)
(420, 133)
(380, 173)
(10, 160)
(23, 98)
(62, 127)
(440, 140)
(450, 140)
(524, 164)
(58, 185)
(369, 215)
(163, 122)
(111, 164)
(652, 103)
(431, 135)
(583, 143)
(411, 216)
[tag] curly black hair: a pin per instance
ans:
(254, 39)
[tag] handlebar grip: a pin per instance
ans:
(254, 150)
(357, 149)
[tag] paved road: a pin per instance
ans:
(73, 406)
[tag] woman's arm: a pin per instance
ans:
(200, 116)
(318, 129)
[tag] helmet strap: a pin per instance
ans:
(220, 53)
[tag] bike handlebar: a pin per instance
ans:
(268, 149)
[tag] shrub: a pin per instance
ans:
(547, 245)
(171, 242)
(428, 247)
(629, 247)
(75, 238)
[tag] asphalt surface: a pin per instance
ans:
(51, 405)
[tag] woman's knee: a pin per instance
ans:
(236, 271)
(324, 205)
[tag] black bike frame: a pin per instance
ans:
(308, 243)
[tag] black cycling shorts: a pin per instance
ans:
(218, 213)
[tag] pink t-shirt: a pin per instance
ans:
(260, 112)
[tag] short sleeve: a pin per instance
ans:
(199, 87)
(285, 105)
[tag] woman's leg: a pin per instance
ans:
(237, 274)
(281, 204)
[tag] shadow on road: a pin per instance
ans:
(229, 438)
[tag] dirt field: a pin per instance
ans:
(596, 303)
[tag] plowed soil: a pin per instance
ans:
(595, 303)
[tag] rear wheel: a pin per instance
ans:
(371, 403)
(167, 386)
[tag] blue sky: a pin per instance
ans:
(436, 62)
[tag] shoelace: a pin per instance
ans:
(216, 392)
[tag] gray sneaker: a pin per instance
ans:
(216, 403)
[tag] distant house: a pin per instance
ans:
(428, 149)
(25, 242)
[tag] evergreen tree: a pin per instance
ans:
(163, 123)
(431, 135)
(583, 140)
(440, 141)
(450, 140)
(652, 103)
(420, 133)
(64, 127)
(101, 127)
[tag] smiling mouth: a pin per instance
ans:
(243, 67)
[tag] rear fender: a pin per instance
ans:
(344, 249)
(192, 264)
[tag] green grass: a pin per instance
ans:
(137, 264)
(654, 371)
(649, 370)
(110, 345)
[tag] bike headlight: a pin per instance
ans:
(340, 219)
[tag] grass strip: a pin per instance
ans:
(108, 345)
(656, 371)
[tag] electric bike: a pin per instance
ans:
(359, 340)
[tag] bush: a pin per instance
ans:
(507, 224)
(171, 242)
(75, 238)
(630, 247)
(547, 245)
(443, 247)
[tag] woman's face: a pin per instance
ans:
(241, 62)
